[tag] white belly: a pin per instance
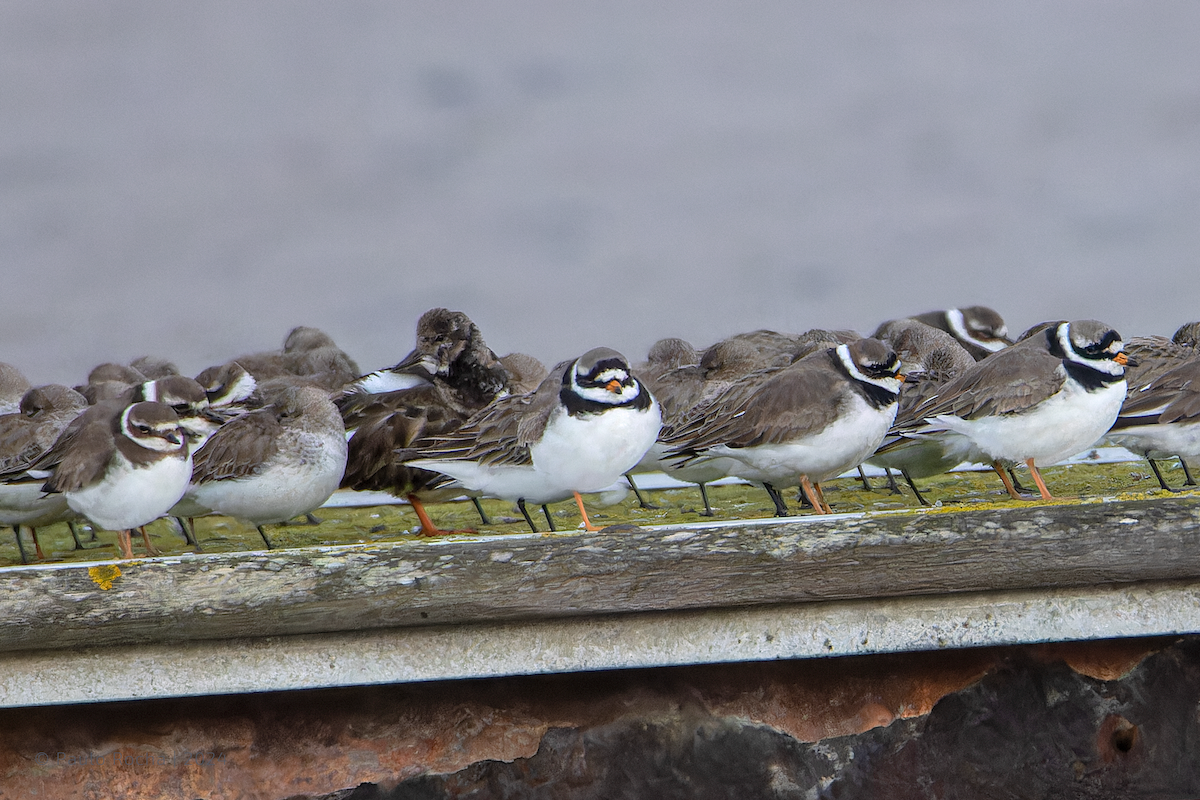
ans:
(303, 477)
(26, 504)
(1061, 426)
(576, 454)
(928, 455)
(1160, 441)
(589, 452)
(506, 482)
(842, 445)
(130, 497)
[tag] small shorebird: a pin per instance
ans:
(450, 374)
(25, 435)
(587, 424)
(121, 466)
(801, 425)
(273, 464)
(1050, 396)
(1162, 419)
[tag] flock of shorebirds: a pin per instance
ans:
(268, 437)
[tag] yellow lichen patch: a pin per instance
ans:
(103, 575)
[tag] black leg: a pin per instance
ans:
(549, 519)
(483, 517)
(263, 534)
(525, 513)
(781, 509)
(1187, 473)
(913, 486)
(894, 487)
(802, 499)
(192, 528)
(707, 512)
(20, 544)
(637, 492)
(1158, 475)
(862, 476)
(189, 536)
(1016, 483)
(75, 535)
(312, 518)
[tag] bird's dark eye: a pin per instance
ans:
(143, 428)
(180, 407)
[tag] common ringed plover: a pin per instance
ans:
(803, 424)
(121, 466)
(588, 424)
(1048, 397)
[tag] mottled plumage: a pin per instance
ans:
(448, 376)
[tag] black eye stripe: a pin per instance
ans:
(874, 369)
(1097, 350)
(608, 365)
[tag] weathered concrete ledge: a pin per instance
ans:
(580, 644)
(510, 578)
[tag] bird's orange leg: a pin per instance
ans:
(151, 550)
(37, 546)
(427, 526)
(1037, 478)
(996, 465)
(125, 543)
(587, 523)
(806, 486)
(821, 497)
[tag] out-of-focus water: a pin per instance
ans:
(192, 180)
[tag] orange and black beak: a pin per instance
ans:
(1121, 359)
(613, 386)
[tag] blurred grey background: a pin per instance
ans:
(191, 180)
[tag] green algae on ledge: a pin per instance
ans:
(959, 491)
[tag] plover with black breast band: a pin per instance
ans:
(1050, 396)
(589, 422)
(803, 424)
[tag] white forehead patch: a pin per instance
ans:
(151, 441)
(611, 375)
(1067, 342)
(599, 394)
